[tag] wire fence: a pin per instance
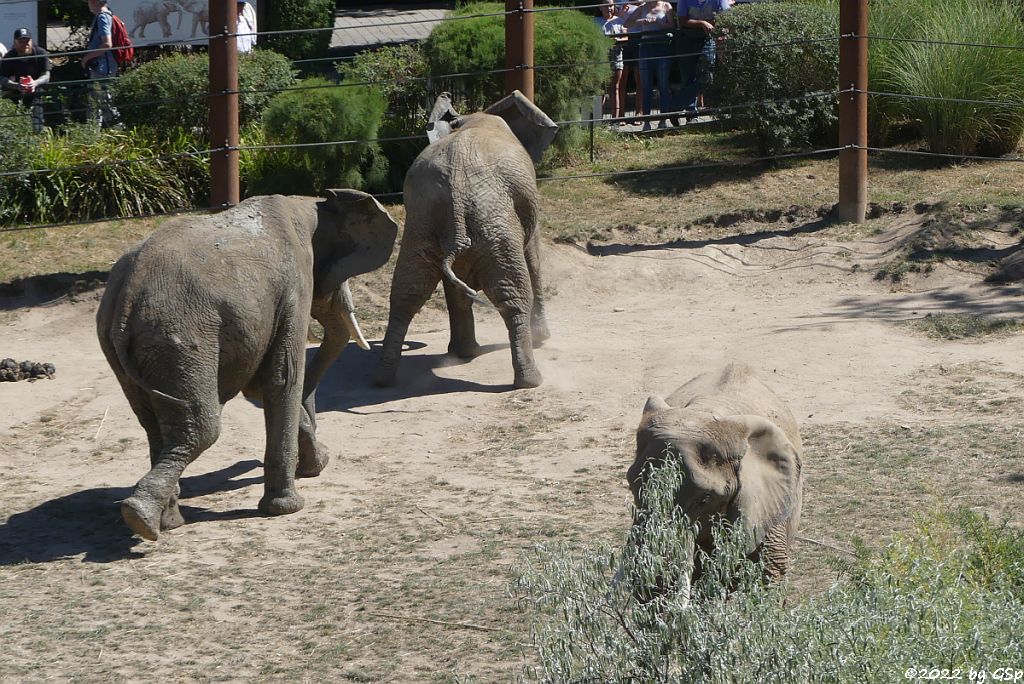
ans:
(713, 112)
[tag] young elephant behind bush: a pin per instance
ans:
(740, 451)
(209, 307)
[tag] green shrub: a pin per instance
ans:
(89, 180)
(17, 141)
(951, 595)
(322, 113)
(284, 15)
(949, 71)
(746, 73)
(561, 38)
(400, 73)
(177, 85)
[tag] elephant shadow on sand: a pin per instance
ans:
(89, 521)
(348, 383)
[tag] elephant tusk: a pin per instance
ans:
(353, 327)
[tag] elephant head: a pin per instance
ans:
(740, 467)
(532, 127)
(354, 235)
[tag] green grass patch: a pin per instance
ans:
(961, 326)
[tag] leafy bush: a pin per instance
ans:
(477, 45)
(95, 175)
(950, 71)
(400, 73)
(283, 15)
(323, 112)
(747, 73)
(170, 92)
(17, 140)
(951, 595)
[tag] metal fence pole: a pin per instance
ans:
(224, 190)
(853, 110)
(519, 46)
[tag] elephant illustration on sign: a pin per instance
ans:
(209, 307)
(200, 11)
(154, 12)
(740, 451)
(472, 224)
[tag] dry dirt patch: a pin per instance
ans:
(397, 570)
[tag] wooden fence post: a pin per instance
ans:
(853, 110)
(519, 46)
(224, 190)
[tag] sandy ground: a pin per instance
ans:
(397, 568)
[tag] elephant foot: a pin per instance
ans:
(527, 379)
(384, 377)
(142, 516)
(464, 351)
(313, 465)
(288, 502)
(171, 518)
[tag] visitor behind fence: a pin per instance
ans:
(612, 19)
(656, 20)
(22, 71)
(100, 64)
(697, 49)
(246, 27)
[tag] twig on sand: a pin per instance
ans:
(463, 625)
(431, 516)
(102, 420)
(827, 546)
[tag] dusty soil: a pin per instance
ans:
(398, 568)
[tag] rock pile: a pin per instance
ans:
(12, 371)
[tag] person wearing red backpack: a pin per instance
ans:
(100, 64)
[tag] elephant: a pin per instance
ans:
(156, 12)
(471, 222)
(200, 11)
(208, 307)
(740, 452)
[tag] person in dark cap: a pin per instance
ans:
(23, 70)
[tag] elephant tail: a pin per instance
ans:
(119, 340)
(449, 274)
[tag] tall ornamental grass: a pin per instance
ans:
(93, 174)
(951, 71)
(949, 597)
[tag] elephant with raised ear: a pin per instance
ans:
(471, 223)
(212, 306)
(740, 451)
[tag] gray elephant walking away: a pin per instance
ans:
(740, 450)
(472, 223)
(212, 306)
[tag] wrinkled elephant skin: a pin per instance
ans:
(471, 223)
(740, 451)
(211, 306)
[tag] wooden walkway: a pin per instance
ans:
(362, 29)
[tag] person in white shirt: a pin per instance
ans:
(246, 27)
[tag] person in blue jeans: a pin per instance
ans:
(697, 48)
(656, 22)
(100, 64)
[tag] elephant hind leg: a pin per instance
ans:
(538, 319)
(416, 276)
(512, 294)
(463, 342)
(186, 431)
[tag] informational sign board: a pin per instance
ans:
(163, 21)
(14, 16)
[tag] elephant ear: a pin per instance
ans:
(356, 237)
(529, 124)
(769, 476)
(439, 123)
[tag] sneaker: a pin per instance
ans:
(647, 127)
